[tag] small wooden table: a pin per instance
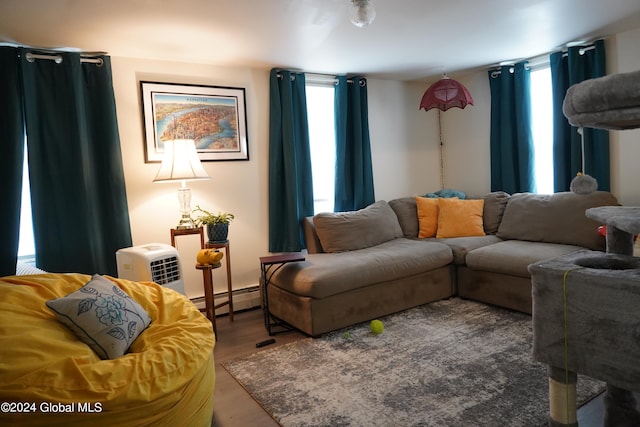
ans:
(185, 232)
(209, 304)
(225, 245)
(207, 272)
(268, 266)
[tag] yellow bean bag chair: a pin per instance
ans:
(49, 377)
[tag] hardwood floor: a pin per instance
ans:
(234, 407)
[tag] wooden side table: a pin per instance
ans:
(268, 266)
(209, 304)
(225, 245)
(207, 275)
(186, 231)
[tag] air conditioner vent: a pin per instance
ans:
(165, 270)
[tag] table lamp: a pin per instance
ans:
(181, 163)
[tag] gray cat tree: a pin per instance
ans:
(586, 305)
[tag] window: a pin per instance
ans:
(26, 247)
(542, 124)
(321, 117)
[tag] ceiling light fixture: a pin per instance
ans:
(444, 94)
(363, 13)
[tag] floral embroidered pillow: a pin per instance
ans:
(103, 316)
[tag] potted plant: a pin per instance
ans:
(217, 224)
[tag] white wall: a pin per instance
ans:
(404, 148)
(623, 55)
(402, 161)
(404, 142)
(466, 139)
(467, 131)
(239, 187)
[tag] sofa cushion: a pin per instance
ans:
(461, 246)
(406, 211)
(427, 209)
(554, 218)
(494, 205)
(348, 231)
(323, 275)
(460, 218)
(310, 236)
(513, 257)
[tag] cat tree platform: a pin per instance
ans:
(586, 316)
(586, 319)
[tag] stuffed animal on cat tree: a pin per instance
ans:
(582, 183)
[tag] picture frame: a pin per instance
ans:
(213, 116)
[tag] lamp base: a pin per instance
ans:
(185, 222)
(184, 197)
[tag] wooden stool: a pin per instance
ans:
(210, 307)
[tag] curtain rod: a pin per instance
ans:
(58, 58)
(581, 51)
(321, 78)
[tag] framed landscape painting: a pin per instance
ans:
(213, 116)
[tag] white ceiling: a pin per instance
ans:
(409, 39)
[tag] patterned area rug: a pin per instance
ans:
(449, 363)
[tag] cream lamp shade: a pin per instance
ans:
(181, 163)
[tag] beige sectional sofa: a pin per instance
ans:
(369, 263)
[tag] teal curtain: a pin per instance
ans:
(354, 172)
(577, 64)
(290, 179)
(11, 158)
(511, 140)
(79, 203)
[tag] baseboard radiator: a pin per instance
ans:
(243, 299)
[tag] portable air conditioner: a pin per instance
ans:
(155, 262)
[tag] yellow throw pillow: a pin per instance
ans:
(427, 216)
(460, 218)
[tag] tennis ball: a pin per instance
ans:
(376, 326)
